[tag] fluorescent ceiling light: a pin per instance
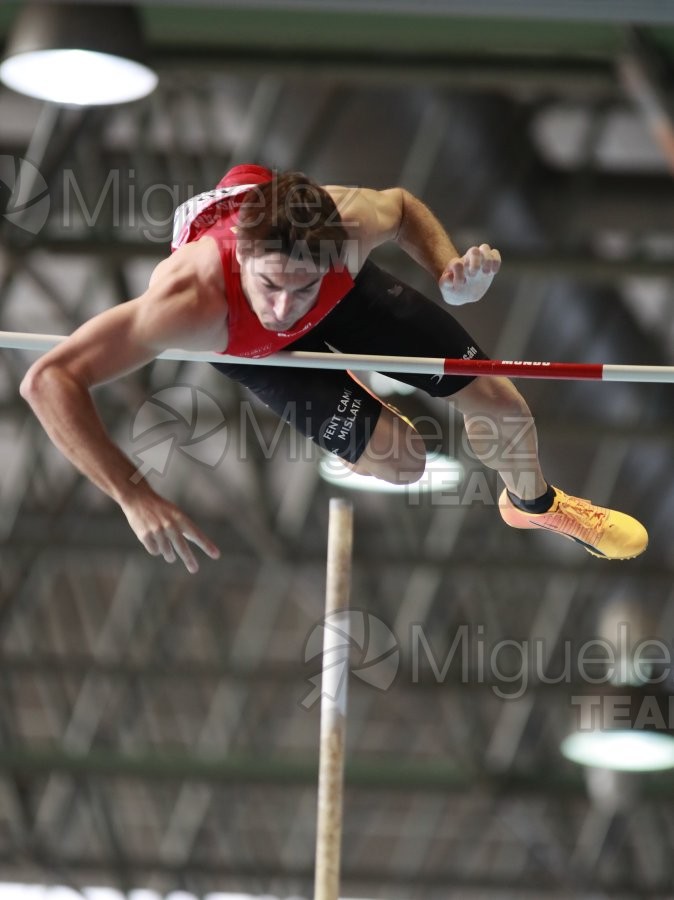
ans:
(77, 54)
(385, 386)
(78, 77)
(624, 750)
(442, 473)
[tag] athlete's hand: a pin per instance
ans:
(467, 278)
(165, 530)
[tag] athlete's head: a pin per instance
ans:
(292, 214)
(289, 233)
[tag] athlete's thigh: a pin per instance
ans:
(330, 407)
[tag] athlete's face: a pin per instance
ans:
(280, 290)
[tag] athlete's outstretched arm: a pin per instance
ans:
(376, 217)
(58, 388)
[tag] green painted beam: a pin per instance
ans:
(375, 774)
(352, 31)
(391, 774)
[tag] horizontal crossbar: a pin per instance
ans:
(403, 365)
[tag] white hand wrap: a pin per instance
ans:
(474, 289)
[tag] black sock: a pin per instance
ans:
(539, 505)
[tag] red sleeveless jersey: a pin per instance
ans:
(215, 214)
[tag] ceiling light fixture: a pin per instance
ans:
(442, 473)
(77, 54)
(624, 722)
(622, 750)
(624, 728)
(385, 386)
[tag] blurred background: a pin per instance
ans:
(159, 731)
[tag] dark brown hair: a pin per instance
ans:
(292, 214)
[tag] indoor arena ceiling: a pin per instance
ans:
(158, 730)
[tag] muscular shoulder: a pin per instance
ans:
(194, 266)
(187, 290)
(372, 217)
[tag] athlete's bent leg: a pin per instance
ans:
(395, 452)
(501, 430)
(342, 416)
(502, 433)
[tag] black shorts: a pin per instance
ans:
(379, 316)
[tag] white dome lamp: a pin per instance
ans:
(77, 54)
(624, 719)
(624, 729)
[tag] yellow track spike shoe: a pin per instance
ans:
(603, 532)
